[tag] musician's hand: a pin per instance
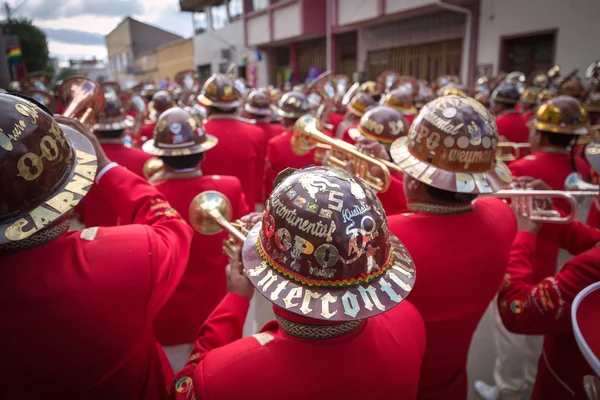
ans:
(372, 147)
(237, 281)
(524, 224)
(101, 157)
(252, 219)
(533, 184)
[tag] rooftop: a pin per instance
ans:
(197, 5)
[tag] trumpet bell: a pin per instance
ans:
(152, 167)
(206, 208)
(81, 94)
(575, 182)
(302, 143)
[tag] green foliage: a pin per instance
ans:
(33, 44)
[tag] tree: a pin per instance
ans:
(34, 44)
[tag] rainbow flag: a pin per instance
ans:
(14, 54)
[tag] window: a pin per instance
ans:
(236, 8)
(200, 22)
(219, 16)
(259, 4)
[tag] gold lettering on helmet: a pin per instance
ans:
(227, 90)
(326, 300)
(30, 166)
(396, 127)
(17, 130)
(466, 183)
(372, 126)
(468, 157)
(56, 206)
(57, 133)
(27, 110)
(308, 296)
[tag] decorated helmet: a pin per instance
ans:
(360, 103)
(292, 105)
(453, 88)
(148, 91)
(384, 124)
(571, 87)
(506, 93)
(161, 101)
(546, 95)
(46, 169)
(258, 103)
(592, 105)
(371, 88)
(592, 154)
(401, 100)
(220, 91)
(530, 95)
(178, 133)
(562, 114)
(324, 238)
(275, 94)
(113, 116)
(584, 317)
(452, 145)
(483, 98)
(424, 96)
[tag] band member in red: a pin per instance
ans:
(110, 126)
(402, 100)
(512, 127)
(382, 125)
(592, 105)
(161, 102)
(358, 106)
(242, 144)
(280, 154)
(449, 159)
(337, 283)
(543, 308)
(258, 108)
(528, 103)
(93, 293)
(585, 319)
(180, 142)
(556, 126)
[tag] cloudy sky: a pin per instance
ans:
(76, 28)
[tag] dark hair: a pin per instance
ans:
(110, 134)
(223, 110)
(563, 140)
(450, 197)
(505, 104)
(183, 162)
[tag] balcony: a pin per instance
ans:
(197, 5)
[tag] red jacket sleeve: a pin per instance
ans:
(261, 148)
(225, 325)
(271, 170)
(138, 202)
(574, 237)
(543, 308)
(393, 200)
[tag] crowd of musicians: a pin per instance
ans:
(379, 218)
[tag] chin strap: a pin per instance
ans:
(430, 208)
(317, 331)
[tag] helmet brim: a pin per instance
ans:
(78, 183)
(331, 303)
(179, 149)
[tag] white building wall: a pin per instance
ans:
(258, 30)
(287, 22)
(350, 11)
(393, 6)
(576, 21)
(208, 45)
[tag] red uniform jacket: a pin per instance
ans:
(271, 130)
(59, 108)
(527, 116)
(335, 119)
(460, 260)
(78, 310)
(394, 200)
(545, 308)
(147, 132)
(346, 136)
(379, 360)
(94, 208)
(280, 156)
(204, 283)
(409, 119)
(513, 127)
(553, 168)
(240, 153)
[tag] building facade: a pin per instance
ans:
(291, 40)
(93, 69)
(129, 41)
(174, 57)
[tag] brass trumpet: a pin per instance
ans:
(515, 151)
(528, 202)
(210, 212)
(152, 167)
(308, 136)
(82, 95)
(575, 184)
